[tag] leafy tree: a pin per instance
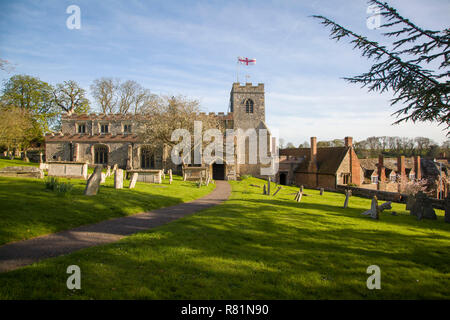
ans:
(71, 98)
(406, 68)
(17, 129)
(33, 95)
(290, 145)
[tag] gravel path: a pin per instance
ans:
(22, 253)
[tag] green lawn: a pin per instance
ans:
(28, 210)
(16, 162)
(257, 247)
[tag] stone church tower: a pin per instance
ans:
(247, 105)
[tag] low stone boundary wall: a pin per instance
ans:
(22, 172)
(384, 195)
(68, 169)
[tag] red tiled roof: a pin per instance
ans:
(91, 138)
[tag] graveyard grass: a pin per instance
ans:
(258, 247)
(28, 210)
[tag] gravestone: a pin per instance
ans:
(115, 167)
(299, 197)
(118, 179)
(268, 186)
(423, 208)
(264, 190)
(348, 194)
(133, 180)
(170, 176)
(108, 171)
(93, 182)
(279, 188)
(103, 177)
(321, 191)
(373, 212)
(410, 202)
(301, 188)
(447, 209)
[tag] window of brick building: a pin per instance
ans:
(104, 128)
(127, 128)
(374, 179)
(346, 178)
(249, 106)
(81, 128)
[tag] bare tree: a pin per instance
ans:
(105, 90)
(127, 95)
(171, 113)
(71, 98)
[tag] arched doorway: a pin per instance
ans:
(283, 178)
(218, 171)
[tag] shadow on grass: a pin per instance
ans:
(192, 260)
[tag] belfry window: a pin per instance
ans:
(249, 106)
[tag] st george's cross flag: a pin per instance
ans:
(246, 61)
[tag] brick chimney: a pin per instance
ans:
(417, 169)
(381, 169)
(348, 141)
(313, 155)
(401, 168)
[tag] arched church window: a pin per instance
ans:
(101, 154)
(249, 106)
(147, 158)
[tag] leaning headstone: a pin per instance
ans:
(348, 194)
(447, 210)
(118, 179)
(133, 180)
(423, 208)
(170, 176)
(93, 182)
(299, 198)
(275, 193)
(373, 212)
(321, 191)
(108, 171)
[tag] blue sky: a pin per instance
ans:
(191, 48)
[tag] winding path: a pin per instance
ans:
(22, 253)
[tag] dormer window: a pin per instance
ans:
(81, 128)
(127, 128)
(249, 106)
(104, 128)
(374, 179)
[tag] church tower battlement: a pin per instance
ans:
(248, 105)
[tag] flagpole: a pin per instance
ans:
(237, 71)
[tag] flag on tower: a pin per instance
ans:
(246, 61)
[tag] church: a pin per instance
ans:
(109, 139)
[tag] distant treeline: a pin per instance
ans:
(388, 146)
